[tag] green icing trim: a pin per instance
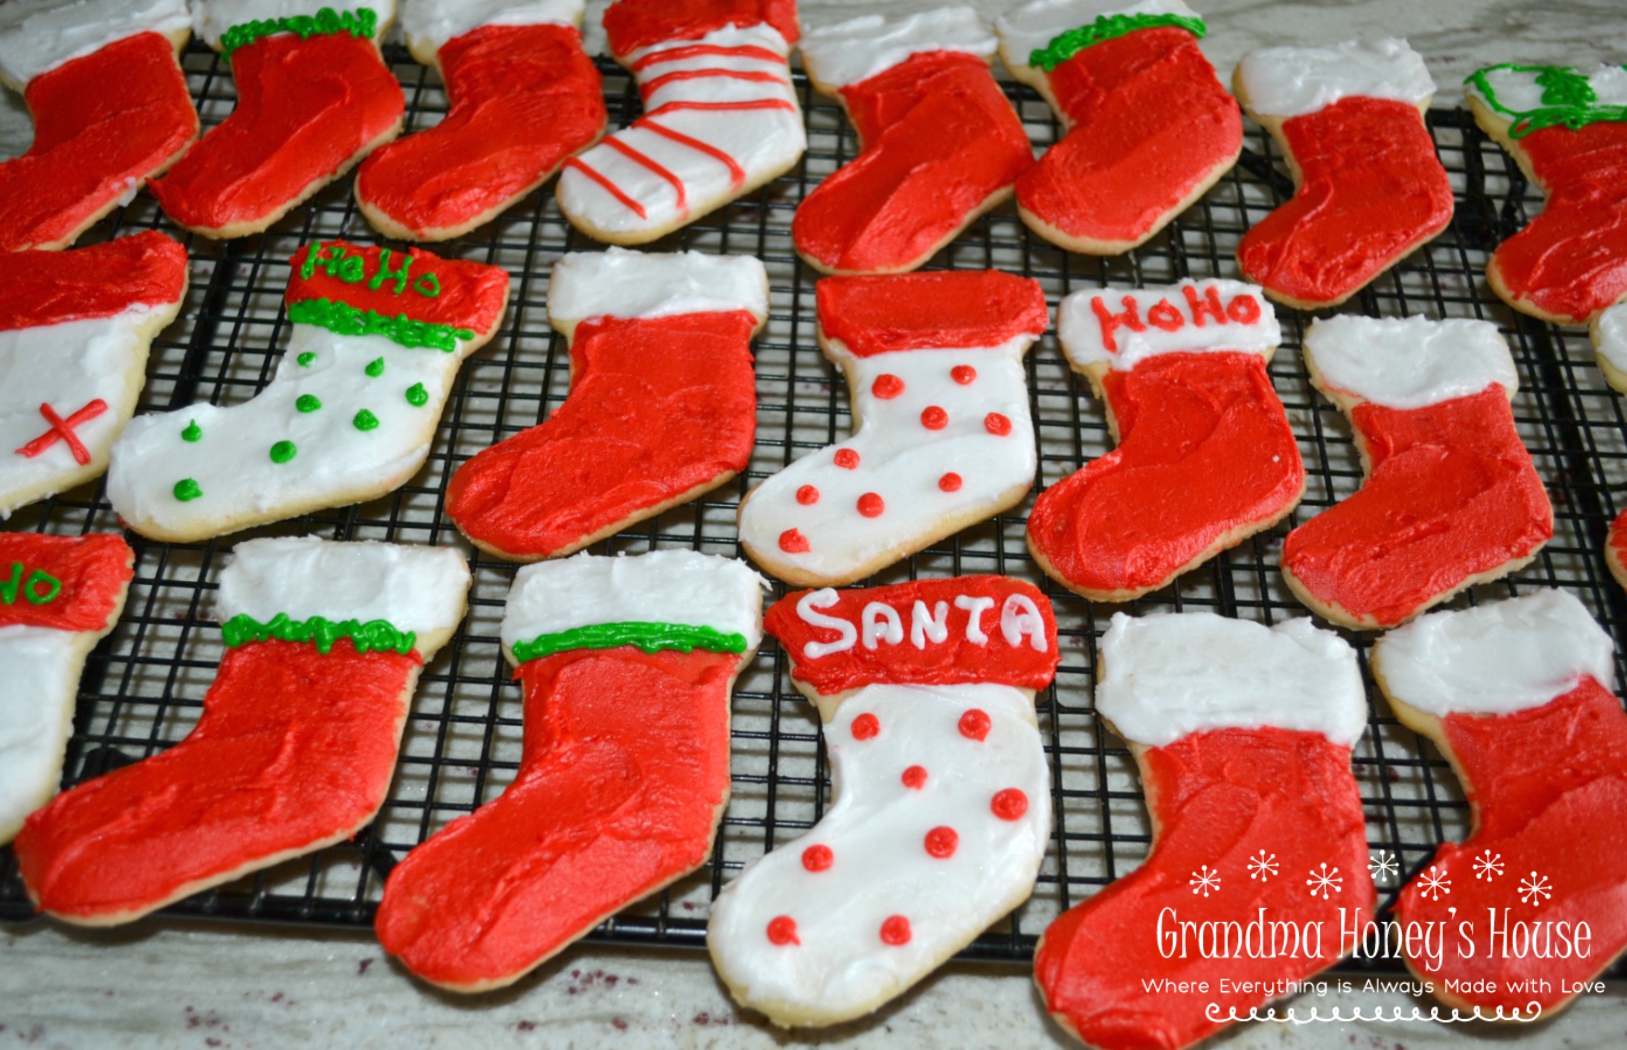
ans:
(1568, 99)
(650, 637)
(374, 634)
(193, 432)
(417, 396)
(365, 420)
(187, 490)
(283, 451)
(1065, 45)
(345, 319)
(361, 23)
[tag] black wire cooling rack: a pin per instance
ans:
(142, 687)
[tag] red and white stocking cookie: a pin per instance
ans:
(662, 408)
(1205, 457)
(943, 436)
(313, 97)
(296, 745)
(628, 664)
(1368, 186)
(75, 327)
(59, 596)
(720, 116)
(110, 106)
(524, 97)
(1150, 127)
(376, 340)
(940, 143)
(1517, 695)
(1242, 735)
(942, 806)
(1451, 499)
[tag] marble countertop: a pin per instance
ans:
(167, 983)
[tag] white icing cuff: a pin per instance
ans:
(1033, 26)
(36, 36)
(211, 18)
(1408, 362)
(434, 22)
(621, 283)
(671, 586)
(1172, 674)
(1124, 326)
(1497, 658)
(416, 589)
(858, 49)
(1517, 90)
(1610, 336)
(1291, 81)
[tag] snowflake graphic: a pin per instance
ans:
(1488, 865)
(1433, 883)
(1262, 867)
(1536, 889)
(1383, 866)
(1205, 881)
(1324, 880)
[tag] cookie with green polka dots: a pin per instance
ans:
(375, 340)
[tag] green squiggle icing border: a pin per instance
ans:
(361, 23)
(1065, 45)
(650, 637)
(1568, 99)
(344, 319)
(366, 637)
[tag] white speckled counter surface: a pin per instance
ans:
(165, 983)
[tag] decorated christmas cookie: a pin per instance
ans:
(377, 339)
(628, 664)
(524, 97)
(1518, 696)
(1150, 127)
(720, 116)
(1609, 335)
(1452, 498)
(662, 408)
(1567, 129)
(59, 596)
(110, 107)
(1242, 735)
(1615, 549)
(313, 98)
(1205, 457)
(942, 804)
(941, 143)
(1368, 186)
(942, 433)
(74, 331)
(296, 744)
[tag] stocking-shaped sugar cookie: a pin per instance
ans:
(1242, 735)
(59, 596)
(1368, 186)
(941, 809)
(1150, 127)
(720, 116)
(628, 664)
(313, 98)
(110, 107)
(1609, 334)
(1452, 498)
(524, 97)
(1205, 458)
(1517, 695)
(1567, 129)
(662, 407)
(377, 337)
(297, 741)
(942, 436)
(940, 142)
(1615, 548)
(74, 331)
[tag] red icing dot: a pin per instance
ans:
(870, 505)
(963, 374)
(974, 724)
(950, 482)
(1009, 804)
(941, 842)
(895, 931)
(997, 424)
(866, 726)
(807, 495)
(847, 459)
(914, 777)
(793, 542)
(817, 858)
(782, 930)
(887, 386)
(934, 418)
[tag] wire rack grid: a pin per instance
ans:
(142, 687)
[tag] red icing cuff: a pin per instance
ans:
(465, 294)
(930, 632)
(877, 315)
(635, 24)
(41, 288)
(71, 583)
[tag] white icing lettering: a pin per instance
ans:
(881, 623)
(806, 609)
(924, 625)
(975, 607)
(1019, 616)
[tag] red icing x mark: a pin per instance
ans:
(62, 430)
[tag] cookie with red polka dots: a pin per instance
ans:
(941, 811)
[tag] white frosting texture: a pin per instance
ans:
(1496, 658)
(1191, 317)
(429, 24)
(1408, 362)
(1610, 336)
(848, 52)
(1292, 81)
(1168, 675)
(1517, 91)
(211, 18)
(37, 690)
(620, 283)
(417, 589)
(1033, 26)
(36, 36)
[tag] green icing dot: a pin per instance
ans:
(417, 396)
(283, 451)
(308, 403)
(375, 367)
(306, 358)
(187, 489)
(193, 432)
(366, 420)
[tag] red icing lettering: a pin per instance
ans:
(818, 858)
(997, 424)
(933, 417)
(466, 294)
(807, 495)
(1164, 315)
(950, 482)
(887, 386)
(974, 725)
(914, 778)
(90, 575)
(963, 374)
(941, 842)
(63, 430)
(633, 25)
(895, 930)
(41, 288)
(929, 311)
(1206, 307)
(847, 459)
(1112, 322)
(782, 930)
(871, 505)
(1009, 804)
